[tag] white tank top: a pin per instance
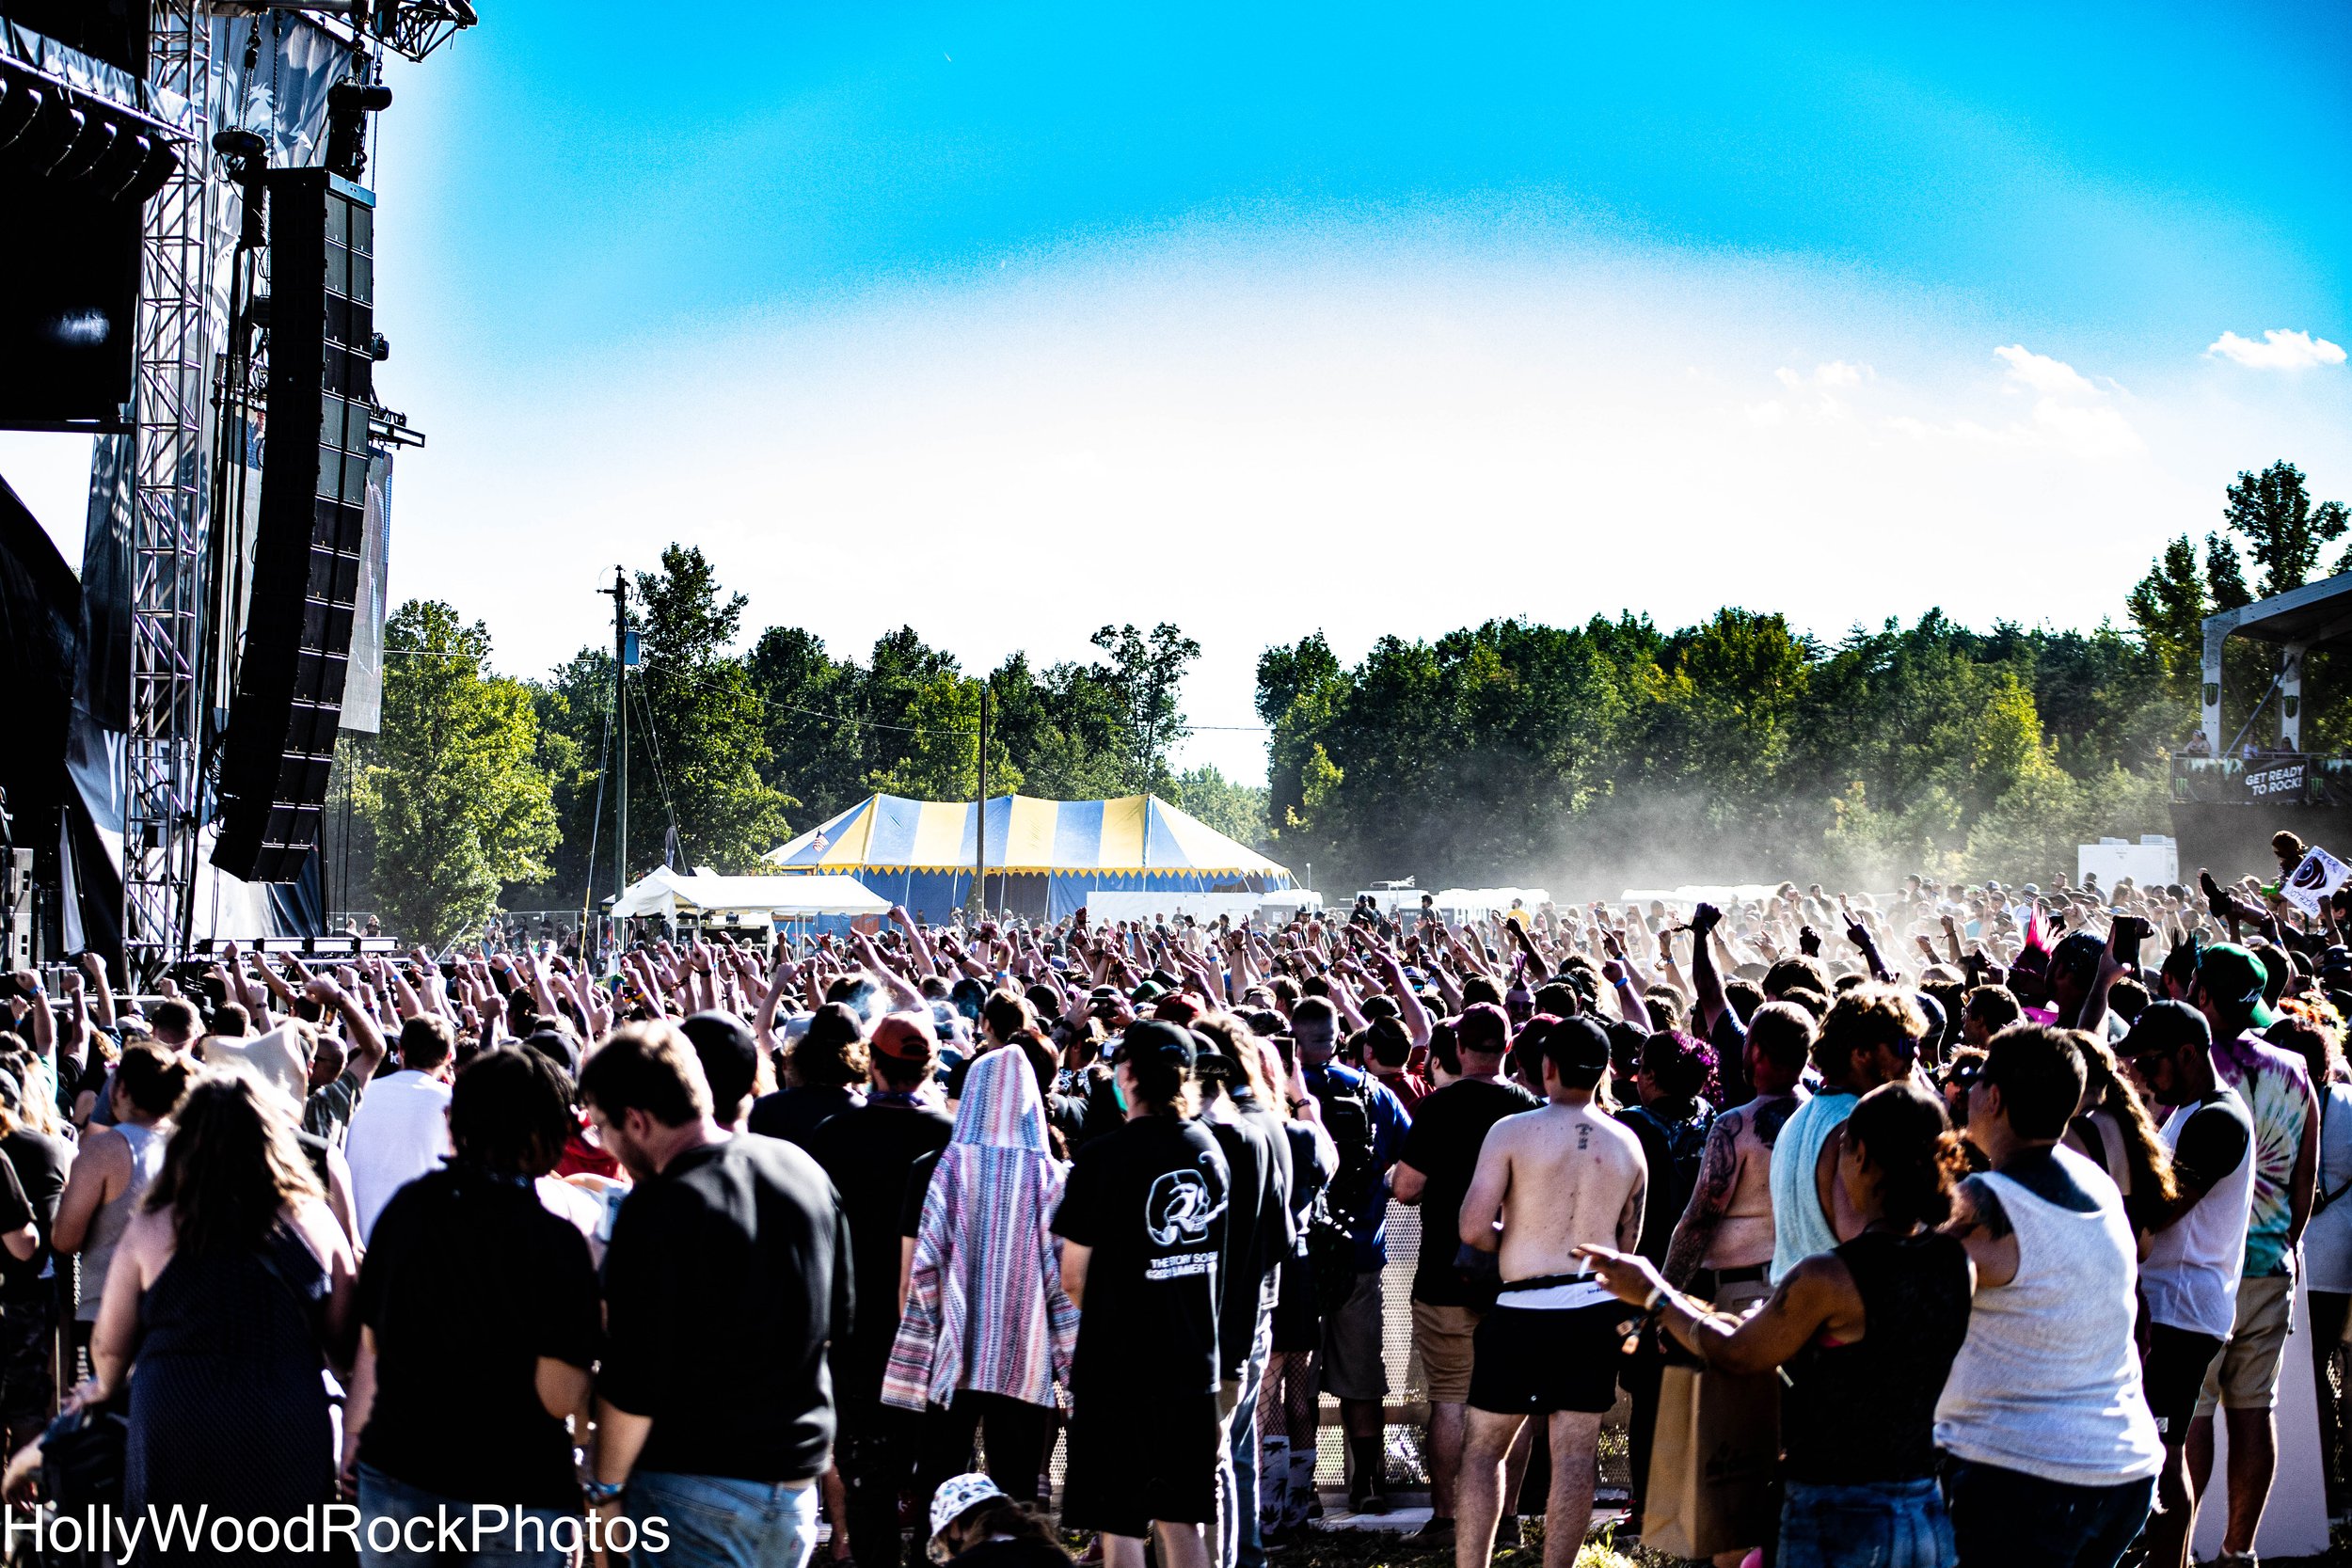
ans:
(2047, 1382)
(2190, 1276)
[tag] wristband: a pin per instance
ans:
(1657, 1294)
(600, 1493)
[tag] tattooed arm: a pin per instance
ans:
(1718, 1175)
(1983, 1228)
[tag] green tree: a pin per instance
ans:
(941, 759)
(700, 723)
(818, 748)
(2272, 511)
(2225, 576)
(455, 797)
(1147, 674)
(1236, 810)
(2170, 606)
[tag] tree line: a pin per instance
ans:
(1580, 758)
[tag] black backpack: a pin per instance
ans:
(1686, 1151)
(1347, 1116)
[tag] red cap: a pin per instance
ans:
(905, 1038)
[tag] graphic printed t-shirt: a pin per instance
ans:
(2275, 1087)
(1447, 1134)
(1148, 1199)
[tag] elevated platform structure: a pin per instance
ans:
(2257, 778)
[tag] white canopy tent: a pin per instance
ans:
(670, 895)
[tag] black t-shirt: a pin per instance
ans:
(794, 1115)
(867, 1151)
(16, 1210)
(1150, 1200)
(39, 1162)
(1448, 1131)
(1257, 1228)
(919, 1188)
(467, 1281)
(727, 1277)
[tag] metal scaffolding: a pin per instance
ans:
(161, 764)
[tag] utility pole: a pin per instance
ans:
(979, 867)
(619, 592)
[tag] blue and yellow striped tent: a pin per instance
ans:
(1043, 856)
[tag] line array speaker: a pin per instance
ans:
(307, 553)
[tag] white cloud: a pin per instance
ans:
(2039, 372)
(1258, 443)
(2069, 410)
(1815, 394)
(2280, 349)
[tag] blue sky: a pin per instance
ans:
(1007, 320)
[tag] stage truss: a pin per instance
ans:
(161, 777)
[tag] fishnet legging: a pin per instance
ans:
(1290, 1398)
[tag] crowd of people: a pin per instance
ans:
(2010, 1186)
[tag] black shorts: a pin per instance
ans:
(2172, 1375)
(1536, 1360)
(1135, 1457)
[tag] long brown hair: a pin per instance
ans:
(229, 1165)
(2145, 1155)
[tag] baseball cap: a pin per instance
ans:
(904, 1037)
(1583, 1044)
(958, 1496)
(1483, 1027)
(2233, 976)
(1153, 1040)
(2164, 1026)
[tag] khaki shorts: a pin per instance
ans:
(2244, 1376)
(1352, 1365)
(1444, 1336)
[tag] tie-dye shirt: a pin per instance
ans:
(2277, 1089)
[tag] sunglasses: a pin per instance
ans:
(1961, 1075)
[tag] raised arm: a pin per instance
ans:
(1707, 981)
(367, 1048)
(101, 991)
(1410, 1010)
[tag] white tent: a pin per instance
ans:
(670, 894)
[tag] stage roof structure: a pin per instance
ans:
(2317, 615)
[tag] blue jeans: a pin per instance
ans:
(1887, 1524)
(2007, 1519)
(719, 1522)
(1238, 1542)
(509, 1538)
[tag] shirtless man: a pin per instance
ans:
(1727, 1230)
(1557, 1177)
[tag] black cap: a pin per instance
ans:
(1155, 1039)
(2166, 1026)
(1573, 1044)
(1210, 1060)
